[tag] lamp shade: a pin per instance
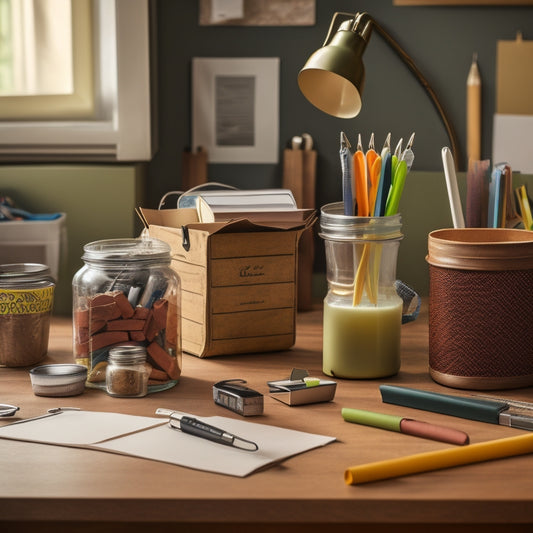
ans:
(333, 77)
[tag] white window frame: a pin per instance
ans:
(121, 129)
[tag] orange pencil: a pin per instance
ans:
(371, 154)
(375, 173)
(371, 157)
(361, 180)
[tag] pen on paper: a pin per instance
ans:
(193, 426)
(407, 426)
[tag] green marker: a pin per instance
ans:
(405, 425)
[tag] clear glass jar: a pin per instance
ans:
(362, 309)
(127, 294)
(126, 372)
(26, 302)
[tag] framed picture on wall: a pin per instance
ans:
(235, 109)
(257, 12)
(462, 2)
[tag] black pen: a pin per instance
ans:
(193, 426)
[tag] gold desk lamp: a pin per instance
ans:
(333, 77)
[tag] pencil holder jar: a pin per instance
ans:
(362, 309)
(481, 308)
(127, 295)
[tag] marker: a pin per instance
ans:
(407, 426)
(490, 411)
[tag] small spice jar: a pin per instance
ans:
(127, 372)
(26, 301)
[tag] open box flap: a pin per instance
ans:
(177, 218)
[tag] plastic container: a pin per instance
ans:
(481, 307)
(26, 302)
(362, 310)
(127, 294)
(34, 241)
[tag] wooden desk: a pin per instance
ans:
(56, 489)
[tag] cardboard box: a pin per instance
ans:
(238, 281)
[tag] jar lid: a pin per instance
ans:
(120, 250)
(335, 225)
(127, 354)
(24, 273)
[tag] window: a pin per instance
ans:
(104, 114)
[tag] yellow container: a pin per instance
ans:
(26, 302)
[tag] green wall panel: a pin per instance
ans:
(99, 202)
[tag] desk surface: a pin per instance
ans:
(58, 485)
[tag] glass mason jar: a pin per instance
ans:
(26, 302)
(127, 294)
(362, 309)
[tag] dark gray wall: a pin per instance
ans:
(440, 39)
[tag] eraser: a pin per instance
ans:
(311, 382)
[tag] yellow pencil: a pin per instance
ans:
(425, 462)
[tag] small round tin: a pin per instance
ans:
(58, 379)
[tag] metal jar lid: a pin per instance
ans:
(25, 274)
(127, 355)
(336, 226)
(125, 250)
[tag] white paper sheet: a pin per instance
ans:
(152, 438)
(513, 142)
(77, 428)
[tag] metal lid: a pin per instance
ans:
(127, 354)
(124, 250)
(335, 225)
(24, 273)
(54, 370)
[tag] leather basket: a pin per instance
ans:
(481, 308)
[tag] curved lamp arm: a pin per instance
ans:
(425, 84)
(333, 76)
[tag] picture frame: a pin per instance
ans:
(462, 2)
(235, 109)
(257, 13)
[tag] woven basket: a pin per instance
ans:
(481, 308)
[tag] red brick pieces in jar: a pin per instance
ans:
(127, 294)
